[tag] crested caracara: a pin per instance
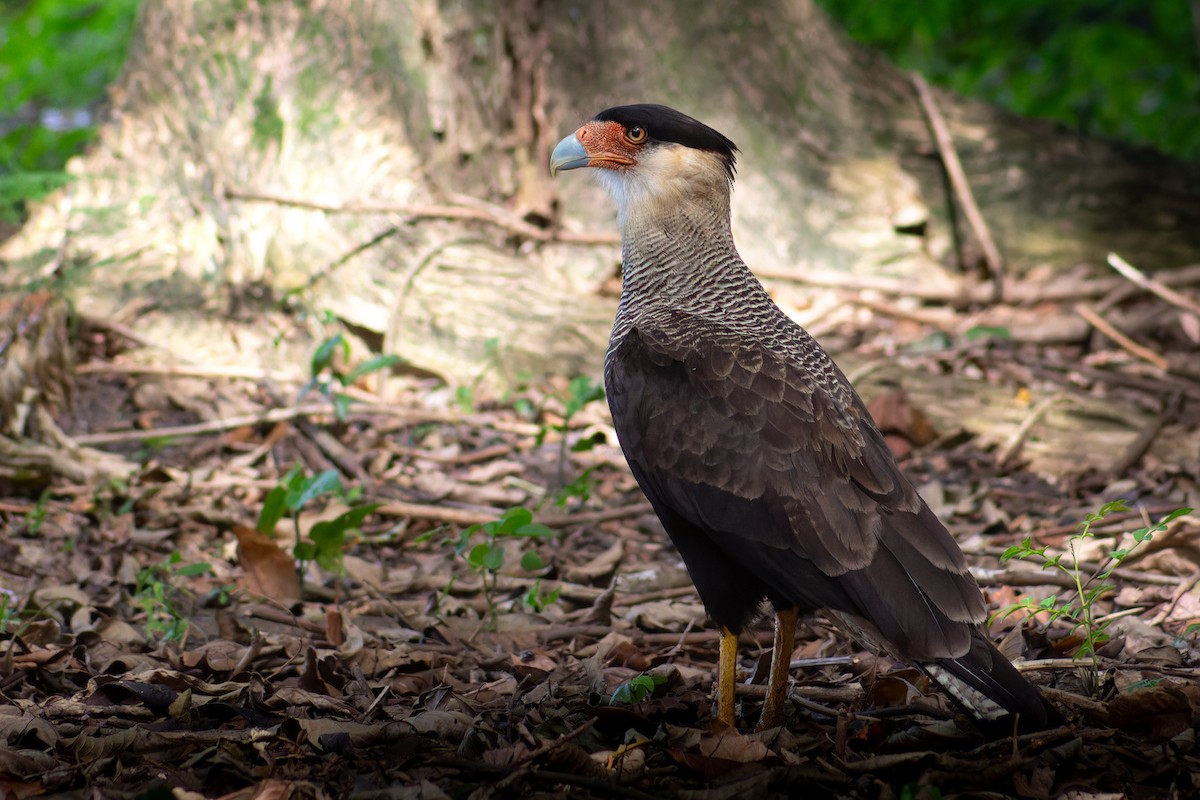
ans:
(755, 451)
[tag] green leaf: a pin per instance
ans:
(532, 562)
(494, 558)
(322, 358)
(324, 483)
(304, 551)
(587, 443)
(373, 364)
(512, 520)
(534, 530)
(988, 332)
(273, 509)
(191, 570)
(341, 406)
(1174, 515)
(329, 538)
(637, 689)
(1016, 551)
(477, 555)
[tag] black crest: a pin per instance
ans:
(668, 125)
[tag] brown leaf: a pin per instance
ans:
(267, 570)
(895, 415)
(730, 745)
(1162, 710)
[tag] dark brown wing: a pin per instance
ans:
(771, 463)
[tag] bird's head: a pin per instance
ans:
(650, 153)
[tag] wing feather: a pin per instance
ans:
(775, 459)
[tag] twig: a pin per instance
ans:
(123, 331)
(1011, 447)
(335, 450)
(1121, 339)
(185, 371)
(1146, 436)
(962, 188)
(1021, 577)
(1124, 573)
(413, 214)
(201, 428)
(1149, 284)
(847, 693)
(457, 459)
(1184, 587)
(958, 291)
(463, 516)
(548, 747)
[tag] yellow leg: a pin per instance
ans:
(726, 676)
(781, 657)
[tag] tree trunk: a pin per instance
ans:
(382, 163)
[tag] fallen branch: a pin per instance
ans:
(1146, 436)
(962, 188)
(1102, 325)
(187, 371)
(1138, 277)
(955, 291)
(202, 428)
(412, 214)
(464, 516)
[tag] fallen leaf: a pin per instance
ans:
(267, 570)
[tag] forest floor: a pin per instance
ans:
(156, 642)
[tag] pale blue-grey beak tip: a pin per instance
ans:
(568, 154)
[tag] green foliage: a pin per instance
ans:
(10, 618)
(327, 538)
(327, 373)
(158, 596)
(1124, 70)
(268, 122)
(58, 58)
(37, 515)
(637, 689)
(580, 488)
(486, 557)
(536, 600)
(580, 392)
(1079, 609)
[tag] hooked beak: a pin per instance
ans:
(569, 154)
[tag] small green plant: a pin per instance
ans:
(1079, 609)
(637, 689)
(537, 601)
(486, 558)
(327, 538)
(329, 378)
(158, 596)
(581, 391)
(580, 488)
(10, 618)
(36, 516)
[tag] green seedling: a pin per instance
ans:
(327, 538)
(637, 689)
(486, 558)
(328, 377)
(580, 392)
(537, 601)
(1078, 609)
(159, 598)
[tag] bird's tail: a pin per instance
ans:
(988, 687)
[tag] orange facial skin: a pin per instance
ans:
(610, 145)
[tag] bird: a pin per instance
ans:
(755, 451)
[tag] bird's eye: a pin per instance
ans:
(635, 134)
